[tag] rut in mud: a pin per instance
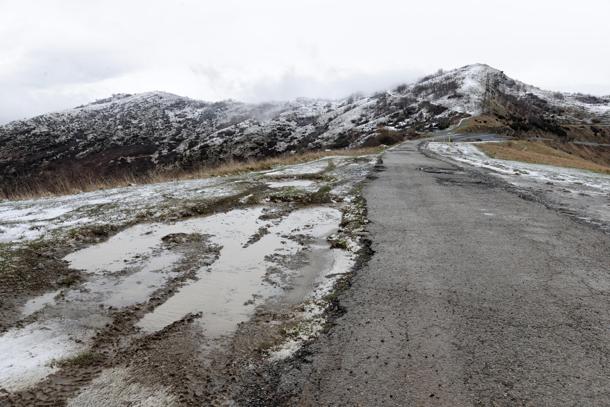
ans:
(202, 283)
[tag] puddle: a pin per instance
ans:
(317, 277)
(296, 183)
(123, 291)
(276, 261)
(123, 271)
(320, 278)
(130, 246)
(227, 292)
(36, 304)
(314, 167)
(128, 267)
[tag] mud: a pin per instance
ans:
(169, 307)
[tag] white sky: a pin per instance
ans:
(55, 54)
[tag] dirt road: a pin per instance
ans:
(474, 296)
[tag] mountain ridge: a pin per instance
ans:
(159, 130)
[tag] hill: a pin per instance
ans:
(156, 131)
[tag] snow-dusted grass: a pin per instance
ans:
(26, 220)
(286, 255)
(62, 184)
(469, 153)
(583, 194)
(536, 152)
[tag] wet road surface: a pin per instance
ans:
(473, 297)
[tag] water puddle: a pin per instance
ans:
(125, 290)
(36, 304)
(317, 277)
(295, 183)
(282, 260)
(314, 167)
(129, 247)
(227, 292)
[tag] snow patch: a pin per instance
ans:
(28, 352)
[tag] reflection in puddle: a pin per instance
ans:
(131, 265)
(38, 303)
(227, 292)
(295, 183)
(314, 167)
(123, 291)
(130, 246)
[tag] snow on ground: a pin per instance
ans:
(115, 386)
(28, 353)
(132, 264)
(30, 219)
(469, 153)
(314, 167)
(37, 303)
(471, 80)
(579, 190)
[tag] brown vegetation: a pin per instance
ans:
(65, 184)
(385, 136)
(539, 152)
(481, 124)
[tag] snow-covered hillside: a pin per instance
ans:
(139, 133)
(467, 89)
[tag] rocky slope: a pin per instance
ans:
(138, 133)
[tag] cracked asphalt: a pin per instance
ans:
(474, 297)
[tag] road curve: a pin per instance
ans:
(474, 297)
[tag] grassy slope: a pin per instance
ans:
(537, 152)
(67, 186)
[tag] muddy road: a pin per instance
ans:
(262, 289)
(474, 297)
(173, 294)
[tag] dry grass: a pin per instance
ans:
(82, 359)
(537, 152)
(72, 184)
(481, 124)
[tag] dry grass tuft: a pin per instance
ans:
(82, 359)
(67, 184)
(537, 152)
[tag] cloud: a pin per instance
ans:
(332, 86)
(43, 80)
(48, 67)
(55, 54)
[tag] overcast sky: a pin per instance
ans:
(55, 54)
